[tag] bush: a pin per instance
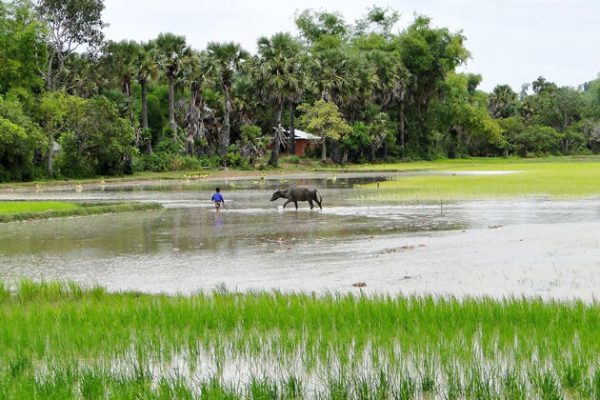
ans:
(157, 162)
(185, 163)
(167, 145)
(21, 143)
(292, 159)
(234, 158)
(210, 162)
(537, 140)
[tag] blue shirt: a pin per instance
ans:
(217, 198)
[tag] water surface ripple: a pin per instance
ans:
(527, 246)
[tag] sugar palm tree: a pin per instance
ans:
(146, 70)
(279, 78)
(228, 58)
(171, 50)
(198, 73)
(503, 102)
(338, 76)
(118, 60)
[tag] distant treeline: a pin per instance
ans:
(369, 91)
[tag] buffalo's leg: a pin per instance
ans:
(288, 202)
(318, 202)
(296, 203)
(311, 204)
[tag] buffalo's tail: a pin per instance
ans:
(319, 200)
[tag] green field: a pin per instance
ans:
(17, 207)
(11, 211)
(61, 341)
(554, 178)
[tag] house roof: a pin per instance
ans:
(304, 135)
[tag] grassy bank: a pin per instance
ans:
(11, 211)
(308, 166)
(60, 341)
(486, 179)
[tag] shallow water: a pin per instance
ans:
(529, 246)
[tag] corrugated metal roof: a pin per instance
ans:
(304, 135)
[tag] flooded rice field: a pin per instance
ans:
(526, 246)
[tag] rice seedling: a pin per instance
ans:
(11, 211)
(487, 180)
(59, 340)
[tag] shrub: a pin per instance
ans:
(292, 159)
(234, 158)
(184, 163)
(157, 162)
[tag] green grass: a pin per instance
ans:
(11, 211)
(61, 341)
(554, 179)
(305, 166)
(17, 207)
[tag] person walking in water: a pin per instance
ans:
(217, 198)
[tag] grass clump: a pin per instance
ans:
(11, 211)
(18, 207)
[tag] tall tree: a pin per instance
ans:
(23, 50)
(198, 74)
(279, 79)
(71, 23)
(228, 58)
(59, 110)
(429, 54)
(324, 119)
(97, 142)
(20, 140)
(171, 51)
(503, 102)
(146, 70)
(336, 73)
(119, 61)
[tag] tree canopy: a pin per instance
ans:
(381, 88)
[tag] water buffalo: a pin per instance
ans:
(298, 193)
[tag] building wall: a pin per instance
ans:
(300, 147)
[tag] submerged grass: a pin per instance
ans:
(485, 180)
(11, 211)
(58, 340)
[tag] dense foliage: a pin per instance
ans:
(73, 104)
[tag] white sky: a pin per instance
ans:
(511, 41)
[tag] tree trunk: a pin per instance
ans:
(50, 154)
(335, 152)
(130, 112)
(144, 106)
(202, 150)
(172, 122)
(191, 122)
(190, 145)
(323, 151)
(274, 159)
(130, 102)
(49, 72)
(145, 127)
(292, 108)
(401, 124)
(226, 126)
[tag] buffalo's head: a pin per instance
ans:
(276, 195)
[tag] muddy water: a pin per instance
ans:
(530, 246)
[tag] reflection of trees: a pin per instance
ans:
(97, 236)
